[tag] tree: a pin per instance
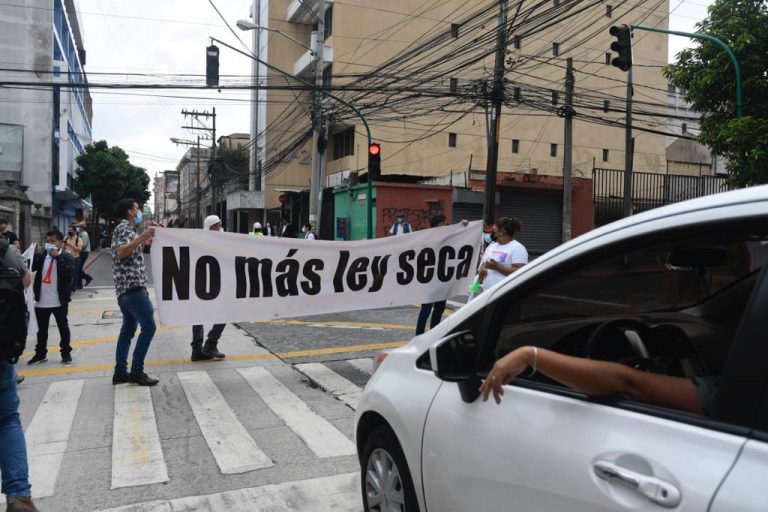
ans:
(231, 165)
(706, 74)
(105, 174)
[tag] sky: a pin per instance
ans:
(169, 37)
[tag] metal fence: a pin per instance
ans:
(649, 190)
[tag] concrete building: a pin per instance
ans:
(44, 126)
(193, 185)
(362, 35)
(166, 197)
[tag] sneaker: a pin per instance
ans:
(88, 280)
(20, 379)
(66, 359)
(119, 379)
(37, 358)
(21, 504)
(142, 379)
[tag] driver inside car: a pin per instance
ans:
(602, 379)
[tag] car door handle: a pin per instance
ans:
(655, 489)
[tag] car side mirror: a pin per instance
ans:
(453, 359)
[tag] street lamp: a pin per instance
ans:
(249, 25)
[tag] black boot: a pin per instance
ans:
(198, 354)
(210, 349)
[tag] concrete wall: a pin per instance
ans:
(351, 203)
(417, 202)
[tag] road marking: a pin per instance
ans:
(320, 436)
(332, 382)
(233, 448)
(137, 455)
(337, 493)
(92, 341)
(48, 434)
(155, 363)
(364, 365)
(339, 325)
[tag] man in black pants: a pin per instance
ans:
(53, 288)
(210, 350)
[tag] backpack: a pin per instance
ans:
(13, 311)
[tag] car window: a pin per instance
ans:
(670, 307)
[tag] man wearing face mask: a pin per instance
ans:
(52, 288)
(401, 226)
(210, 350)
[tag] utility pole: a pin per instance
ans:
(497, 99)
(176, 141)
(195, 114)
(254, 177)
(628, 149)
(568, 154)
(316, 178)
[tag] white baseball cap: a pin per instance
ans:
(211, 220)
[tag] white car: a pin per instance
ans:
(680, 290)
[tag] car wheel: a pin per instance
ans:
(385, 477)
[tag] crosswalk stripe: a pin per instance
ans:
(233, 448)
(365, 365)
(332, 382)
(137, 455)
(320, 436)
(48, 434)
(337, 493)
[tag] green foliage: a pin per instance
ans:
(105, 174)
(706, 74)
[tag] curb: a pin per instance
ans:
(95, 255)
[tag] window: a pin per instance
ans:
(553, 150)
(681, 294)
(608, 11)
(454, 85)
(555, 49)
(516, 93)
(555, 2)
(344, 143)
(671, 88)
(455, 30)
(515, 146)
(516, 42)
(327, 23)
(685, 127)
(328, 76)
(606, 154)
(608, 58)
(606, 105)
(555, 97)
(451, 140)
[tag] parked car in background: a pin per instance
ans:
(680, 291)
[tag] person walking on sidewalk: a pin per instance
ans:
(53, 289)
(84, 257)
(210, 350)
(130, 275)
(13, 455)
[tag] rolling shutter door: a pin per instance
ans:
(467, 211)
(541, 216)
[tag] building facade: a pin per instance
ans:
(45, 125)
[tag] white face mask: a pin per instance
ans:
(221, 230)
(303, 230)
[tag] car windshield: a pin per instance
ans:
(663, 277)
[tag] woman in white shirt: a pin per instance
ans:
(503, 256)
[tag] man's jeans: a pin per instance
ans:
(83, 274)
(43, 318)
(13, 448)
(137, 310)
(76, 273)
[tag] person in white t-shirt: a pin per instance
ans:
(503, 256)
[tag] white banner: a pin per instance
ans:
(29, 294)
(204, 277)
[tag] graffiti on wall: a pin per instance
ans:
(418, 218)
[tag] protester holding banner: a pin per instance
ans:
(308, 233)
(210, 350)
(401, 226)
(503, 256)
(130, 275)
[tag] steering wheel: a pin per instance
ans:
(622, 340)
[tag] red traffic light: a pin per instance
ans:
(374, 149)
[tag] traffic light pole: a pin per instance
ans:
(628, 149)
(369, 203)
(492, 161)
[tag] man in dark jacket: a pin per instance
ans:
(53, 288)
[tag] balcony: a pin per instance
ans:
(300, 14)
(303, 65)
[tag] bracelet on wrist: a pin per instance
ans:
(535, 365)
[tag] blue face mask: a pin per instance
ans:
(139, 218)
(487, 238)
(49, 247)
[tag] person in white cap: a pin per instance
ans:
(209, 350)
(256, 230)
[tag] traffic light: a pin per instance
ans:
(374, 160)
(212, 66)
(622, 46)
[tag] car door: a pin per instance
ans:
(547, 447)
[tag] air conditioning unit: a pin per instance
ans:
(353, 178)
